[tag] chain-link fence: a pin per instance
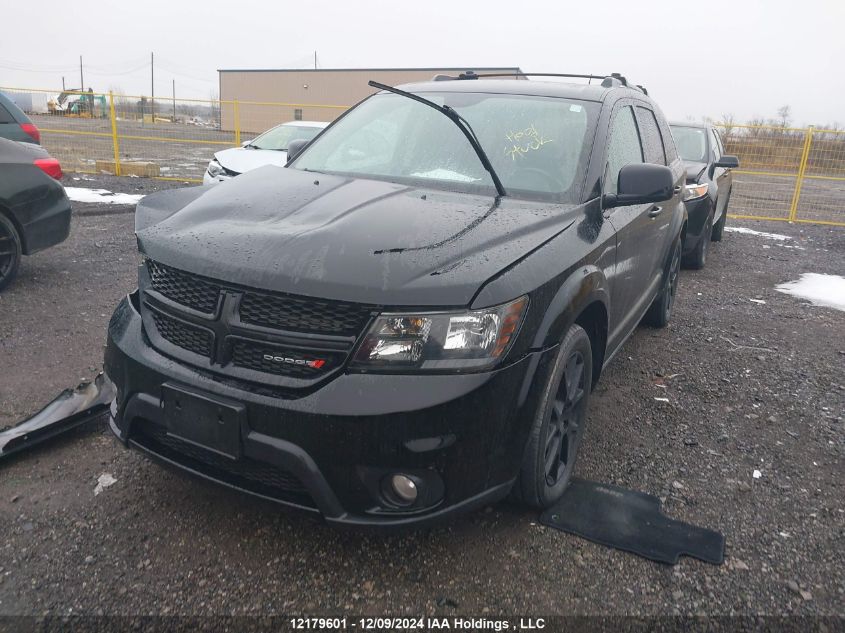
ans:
(791, 174)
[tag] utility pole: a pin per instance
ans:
(152, 88)
(174, 101)
(81, 80)
(63, 83)
(315, 60)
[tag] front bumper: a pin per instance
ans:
(208, 179)
(697, 212)
(461, 436)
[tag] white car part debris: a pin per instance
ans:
(756, 474)
(104, 481)
(820, 290)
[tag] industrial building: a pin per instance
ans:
(268, 97)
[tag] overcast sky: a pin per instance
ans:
(747, 57)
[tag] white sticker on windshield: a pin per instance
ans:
(574, 108)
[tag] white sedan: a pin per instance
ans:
(268, 149)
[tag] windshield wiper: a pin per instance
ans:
(458, 120)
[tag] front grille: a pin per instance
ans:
(184, 288)
(303, 315)
(182, 335)
(251, 355)
(249, 474)
(235, 329)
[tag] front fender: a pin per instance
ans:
(586, 285)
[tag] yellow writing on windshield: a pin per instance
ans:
(524, 141)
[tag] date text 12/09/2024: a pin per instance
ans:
(422, 623)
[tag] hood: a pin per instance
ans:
(242, 159)
(344, 238)
(694, 170)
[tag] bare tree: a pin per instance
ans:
(784, 116)
(728, 126)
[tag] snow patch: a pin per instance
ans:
(818, 289)
(770, 236)
(101, 196)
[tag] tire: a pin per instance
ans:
(698, 257)
(660, 311)
(10, 251)
(719, 227)
(558, 425)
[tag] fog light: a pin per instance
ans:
(404, 488)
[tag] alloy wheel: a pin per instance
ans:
(565, 420)
(8, 251)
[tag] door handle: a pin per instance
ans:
(655, 211)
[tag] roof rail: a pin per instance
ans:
(608, 81)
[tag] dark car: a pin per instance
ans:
(15, 125)
(34, 210)
(407, 320)
(708, 189)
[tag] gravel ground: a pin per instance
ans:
(751, 385)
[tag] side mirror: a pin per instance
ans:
(295, 147)
(249, 142)
(728, 162)
(641, 183)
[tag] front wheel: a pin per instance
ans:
(558, 424)
(698, 257)
(719, 227)
(660, 311)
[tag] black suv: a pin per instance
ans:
(708, 189)
(407, 320)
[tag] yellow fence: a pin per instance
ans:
(165, 138)
(788, 174)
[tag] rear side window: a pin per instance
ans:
(651, 136)
(5, 117)
(623, 148)
(668, 140)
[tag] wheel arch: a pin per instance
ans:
(583, 299)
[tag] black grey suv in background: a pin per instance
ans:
(34, 209)
(406, 321)
(15, 125)
(708, 188)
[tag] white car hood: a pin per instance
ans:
(241, 159)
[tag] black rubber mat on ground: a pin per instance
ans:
(630, 521)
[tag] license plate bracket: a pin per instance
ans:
(203, 420)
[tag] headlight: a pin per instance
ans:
(444, 341)
(215, 169)
(692, 192)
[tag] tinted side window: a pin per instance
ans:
(623, 148)
(717, 146)
(652, 139)
(5, 117)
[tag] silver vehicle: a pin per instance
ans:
(268, 149)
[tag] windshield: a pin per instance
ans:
(691, 142)
(279, 137)
(537, 145)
